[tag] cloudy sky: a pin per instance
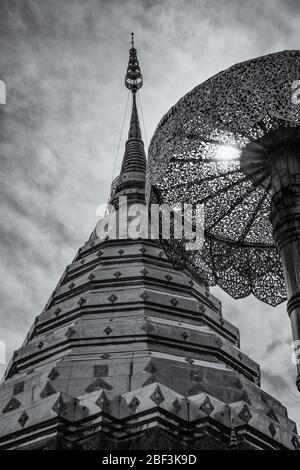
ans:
(64, 63)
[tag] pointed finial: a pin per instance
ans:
(134, 78)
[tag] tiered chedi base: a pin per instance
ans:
(131, 354)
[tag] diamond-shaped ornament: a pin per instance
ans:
(272, 429)
(59, 406)
(105, 356)
(134, 404)
(47, 391)
(207, 406)
(53, 374)
(157, 396)
(202, 308)
(144, 296)
(176, 405)
(23, 419)
(102, 401)
(57, 311)
(13, 404)
(18, 388)
(81, 301)
(148, 328)
(272, 415)
(190, 360)
(245, 414)
(108, 330)
(112, 298)
(70, 332)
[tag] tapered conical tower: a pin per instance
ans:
(130, 353)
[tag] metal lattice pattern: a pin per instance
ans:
(194, 158)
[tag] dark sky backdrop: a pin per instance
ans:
(64, 63)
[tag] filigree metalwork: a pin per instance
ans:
(194, 158)
(133, 78)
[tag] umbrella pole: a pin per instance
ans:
(284, 165)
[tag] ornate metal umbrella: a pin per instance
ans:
(233, 144)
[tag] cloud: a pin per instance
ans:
(277, 343)
(276, 380)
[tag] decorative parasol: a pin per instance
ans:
(233, 144)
